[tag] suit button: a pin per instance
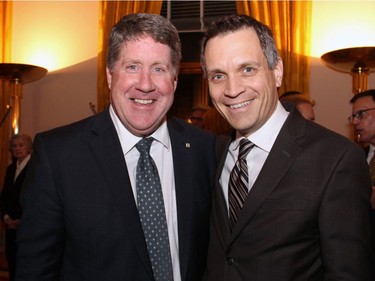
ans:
(230, 261)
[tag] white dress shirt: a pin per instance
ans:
(20, 166)
(370, 153)
(263, 139)
(161, 152)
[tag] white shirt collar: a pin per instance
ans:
(24, 162)
(265, 136)
(128, 140)
(371, 149)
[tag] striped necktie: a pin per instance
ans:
(238, 182)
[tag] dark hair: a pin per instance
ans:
(134, 26)
(368, 93)
(232, 23)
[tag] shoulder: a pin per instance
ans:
(177, 126)
(184, 135)
(84, 127)
(74, 137)
(311, 136)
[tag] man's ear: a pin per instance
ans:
(109, 77)
(175, 82)
(278, 71)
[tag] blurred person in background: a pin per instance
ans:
(303, 105)
(20, 146)
(363, 120)
(196, 116)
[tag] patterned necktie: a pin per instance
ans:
(372, 169)
(238, 182)
(152, 213)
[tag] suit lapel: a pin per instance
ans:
(107, 149)
(182, 162)
(220, 209)
(282, 155)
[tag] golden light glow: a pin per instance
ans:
(342, 24)
(39, 37)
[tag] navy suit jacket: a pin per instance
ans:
(80, 218)
(306, 217)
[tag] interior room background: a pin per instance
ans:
(71, 29)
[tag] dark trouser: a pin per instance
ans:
(10, 252)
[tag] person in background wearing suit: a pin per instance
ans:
(20, 146)
(82, 216)
(303, 105)
(296, 207)
(363, 120)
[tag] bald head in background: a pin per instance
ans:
(302, 104)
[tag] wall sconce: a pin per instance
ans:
(17, 75)
(358, 61)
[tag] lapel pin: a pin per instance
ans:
(187, 144)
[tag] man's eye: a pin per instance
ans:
(361, 114)
(159, 69)
(217, 77)
(132, 67)
(248, 69)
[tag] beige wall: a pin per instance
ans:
(63, 96)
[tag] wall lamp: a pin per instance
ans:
(358, 61)
(18, 74)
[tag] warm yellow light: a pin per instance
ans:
(39, 37)
(342, 24)
(44, 58)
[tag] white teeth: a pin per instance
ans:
(143, 101)
(234, 106)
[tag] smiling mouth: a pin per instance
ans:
(239, 105)
(143, 101)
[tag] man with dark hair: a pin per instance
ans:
(292, 198)
(125, 194)
(363, 120)
(303, 105)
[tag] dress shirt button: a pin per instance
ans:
(230, 261)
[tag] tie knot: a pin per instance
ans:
(245, 147)
(144, 145)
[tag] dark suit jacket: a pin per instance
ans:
(372, 217)
(10, 194)
(80, 218)
(306, 217)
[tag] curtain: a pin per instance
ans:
(5, 90)
(290, 22)
(110, 12)
(5, 87)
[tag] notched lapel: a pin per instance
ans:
(182, 149)
(282, 155)
(108, 152)
(220, 209)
